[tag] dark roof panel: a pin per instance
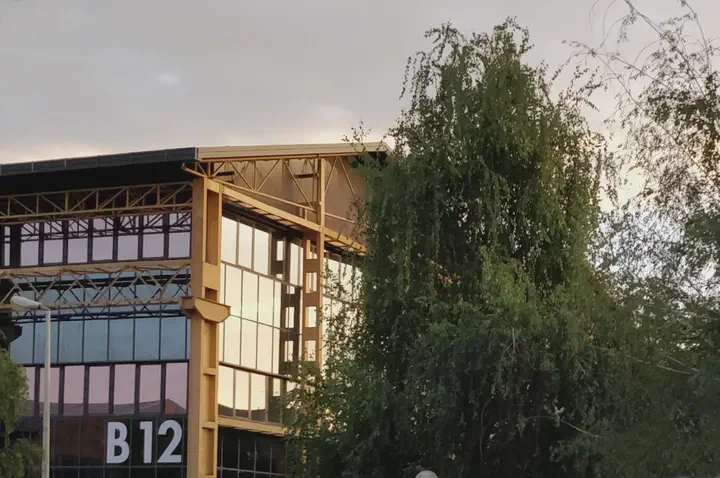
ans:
(102, 161)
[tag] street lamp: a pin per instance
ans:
(24, 303)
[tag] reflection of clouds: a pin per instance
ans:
(167, 79)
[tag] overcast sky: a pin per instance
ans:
(101, 76)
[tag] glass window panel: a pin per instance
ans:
(147, 339)
(245, 249)
(40, 342)
(54, 389)
(98, 390)
(229, 240)
(275, 406)
(95, 341)
(29, 253)
(121, 339)
(176, 383)
(21, 350)
(153, 245)
(65, 436)
(247, 454)
(53, 251)
(127, 247)
(74, 390)
(225, 391)
(30, 380)
(312, 316)
(230, 450)
(276, 351)
(249, 344)
(124, 390)
(263, 457)
(264, 348)
(249, 295)
(150, 389)
(232, 340)
(258, 397)
(277, 307)
(172, 340)
(78, 250)
(265, 300)
(261, 247)
(102, 248)
(71, 339)
(242, 394)
(179, 244)
(188, 338)
(295, 256)
(233, 289)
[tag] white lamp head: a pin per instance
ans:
(26, 304)
(426, 474)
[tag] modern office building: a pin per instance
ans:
(183, 285)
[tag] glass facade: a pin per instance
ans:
(120, 344)
(120, 371)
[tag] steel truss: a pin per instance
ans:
(161, 198)
(134, 287)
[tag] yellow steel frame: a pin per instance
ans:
(214, 185)
(160, 198)
(102, 284)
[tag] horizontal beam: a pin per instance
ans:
(81, 203)
(247, 425)
(99, 268)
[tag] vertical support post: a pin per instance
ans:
(203, 385)
(314, 265)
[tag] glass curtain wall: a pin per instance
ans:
(121, 367)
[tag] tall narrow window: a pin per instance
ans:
(74, 391)
(98, 390)
(124, 390)
(150, 389)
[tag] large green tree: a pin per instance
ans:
(660, 247)
(487, 345)
(19, 458)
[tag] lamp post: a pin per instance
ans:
(24, 303)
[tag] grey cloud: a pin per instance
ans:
(89, 76)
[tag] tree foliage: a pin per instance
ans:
(487, 345)
(18, 458)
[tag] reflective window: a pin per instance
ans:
(179, 244)
(77, 242)
(21, 350)
(147, 339)
(121, 339)
(54, 389)
(225, 391)
(153, 237)
(95, 341)
(249, 295)
(98, 390)
(40, 342)
(172, 341)
(150, 389)
(266, 300)
(52, 243)
(124, 390)
(176, 388)
(74, 390)
(245, 247)
(232, 340)
(229, 240)
(233, 289)
(242, 394)
(258, 397)
(102, 244)
(264, 348)
(71, 339)
(261, 248)
(248, 350)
